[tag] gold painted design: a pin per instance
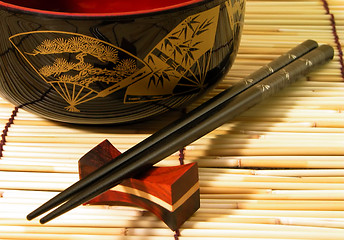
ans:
(264, 87)
(76, 65)
(235, 9)
(286, 73)
(84, 73)
(248, 81)
(290, 56)
(269, 68)
(68, 72)
(307, 62)
(184, 53)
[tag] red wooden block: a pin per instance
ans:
(171, 193)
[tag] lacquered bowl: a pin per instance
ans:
(112, 61)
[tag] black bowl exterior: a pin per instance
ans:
(116, 69)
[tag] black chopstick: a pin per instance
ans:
(157, 140)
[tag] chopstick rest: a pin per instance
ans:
(171, 193)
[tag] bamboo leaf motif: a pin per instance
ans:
(179, 50)
(199, 32)
(174, 53)
(181, 44)
(191, 56)
(173, 37)
(165, 75)
(152, 80)
(185, 31)
(160, 80)
(195, 44)
(167, 43)
(186, 58)
(150, 59)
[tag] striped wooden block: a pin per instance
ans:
(171, 193)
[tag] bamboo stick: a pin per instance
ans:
(277, 172)
(266, 29)
(148, 222)
(12, 194)
(39, 161)
(34, 186)
(263, 178)
(84, 213)
(30, 176)
(194, 225)
(83, 237)
(288, 10)
(304, 22)
(36, 167)
(302, 173)
(62, 230)
(287, 16)
(273, 4)
(281, 113)
(290, 232)
(303, 233)
(271, 213)
(298, 221)
(34, 236)
(317, 150)
(310, 162)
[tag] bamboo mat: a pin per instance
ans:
(275, 172)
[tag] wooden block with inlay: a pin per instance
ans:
(171, 193)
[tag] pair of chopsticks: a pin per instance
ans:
(222, 108)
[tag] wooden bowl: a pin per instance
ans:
(112, 61)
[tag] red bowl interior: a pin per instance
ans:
(94, 7)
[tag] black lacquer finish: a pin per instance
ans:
(115, 68)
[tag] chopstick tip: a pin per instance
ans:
(44, 220)
(29, 217)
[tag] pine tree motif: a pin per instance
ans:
(82, 73)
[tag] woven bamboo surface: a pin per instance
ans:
(275, 172)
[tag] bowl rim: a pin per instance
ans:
(48, 13)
